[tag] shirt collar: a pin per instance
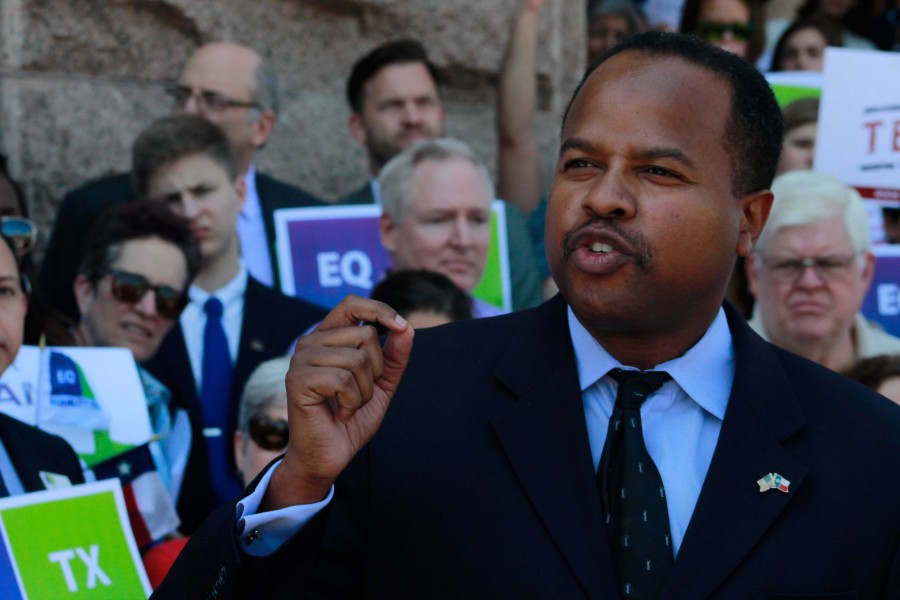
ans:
(705, 372)
(228, 293)
(376, 190)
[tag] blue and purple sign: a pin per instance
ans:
(882, 301)
(325, 253)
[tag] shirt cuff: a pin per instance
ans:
(262, 534)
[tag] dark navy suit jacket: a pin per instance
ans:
(480, 484)
(31, 451)
(271, 323)
(81, 207)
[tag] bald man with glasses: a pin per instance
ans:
(231, 86)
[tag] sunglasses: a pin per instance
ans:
(713, 31)
(131, 288)
(21, 232)
(268, 433)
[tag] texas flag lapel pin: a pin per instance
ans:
(773, 481)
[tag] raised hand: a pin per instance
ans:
(339, 386)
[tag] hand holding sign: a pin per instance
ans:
(339, 386)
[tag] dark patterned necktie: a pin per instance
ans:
(632, 491)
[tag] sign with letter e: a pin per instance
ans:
(325, 253)
(70, 543)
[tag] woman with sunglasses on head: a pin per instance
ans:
(735, 25)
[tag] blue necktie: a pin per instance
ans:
(215, 394)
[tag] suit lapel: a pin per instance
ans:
(544, 436)
(762, 414)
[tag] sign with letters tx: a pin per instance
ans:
(325, 253)
(70, 543)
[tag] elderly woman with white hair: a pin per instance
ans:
(262, 432)
(811, 269)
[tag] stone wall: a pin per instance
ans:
(80, 78)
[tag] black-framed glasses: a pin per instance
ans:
(132, 287)
(827, 268)
(268, 433)
(208, 101)
(21, 232)
(714, 31)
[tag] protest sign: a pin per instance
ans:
(859, 127)
(793, 85)
(882, 301)
(92, 397)
(325, 253)
(69, 543)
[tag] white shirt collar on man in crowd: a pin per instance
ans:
(193, 319)
(251, 228)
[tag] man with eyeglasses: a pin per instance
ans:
(811, 270)
(230, 85)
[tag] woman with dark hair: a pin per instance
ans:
(735, 25)
(801, 127)
(881, 373)
(843, 16)
(802, 45)
(424, 298)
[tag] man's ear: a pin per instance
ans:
(84, 293)
(752, 277)
(356, 128)
(755, 209)
(240, 186)
(868, 271)
(262, 129)
(388, 231)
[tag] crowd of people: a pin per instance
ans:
(647, 227)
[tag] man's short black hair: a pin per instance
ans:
(754, 130)
(170, 139)
(398, 52)
(136, 221)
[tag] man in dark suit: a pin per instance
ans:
(230, 85)
(187, 163)
(484, 478)
(31, 460)
(394, 102)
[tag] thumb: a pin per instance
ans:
(396, 351)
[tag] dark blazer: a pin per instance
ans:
(480, 484)
(81, 207)
(524, 273)
(31, 451)
(272, 321)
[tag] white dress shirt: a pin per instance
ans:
(8, 473)
(681, 420)
(251, 229)
(193, 320)
(681, 423)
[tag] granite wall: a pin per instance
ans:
(80, 78)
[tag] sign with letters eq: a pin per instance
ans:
(325, 253)
(882, 301)
(73, 542)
